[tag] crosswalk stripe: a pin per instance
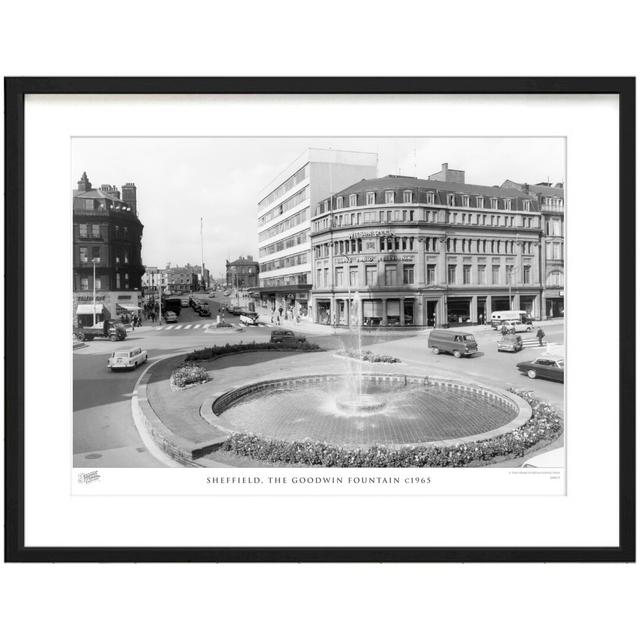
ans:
(206, 326)
(159, 328)
(187, 327)
(197, 326)
(167, 328)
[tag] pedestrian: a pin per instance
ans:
(503, 330)
(540, 335)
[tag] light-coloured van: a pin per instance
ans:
(498, 317)
(458, 343)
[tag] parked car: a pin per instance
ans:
(510, 342)
(128, 359)
(184, 302)
(459, 343)
(284, 336)
(544, 367)
(204, 312)
(516, 326)
(212, 294)
(549, 460)
(236, 311)
(170, 316)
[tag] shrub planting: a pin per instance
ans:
(188, 375)
(367, 356)
(544, 426)
(212, 352)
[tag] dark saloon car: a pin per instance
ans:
(544, 367)
(284, 336)
(510, 342)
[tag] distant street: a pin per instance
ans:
(105, 434)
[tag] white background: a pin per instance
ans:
(309, 601)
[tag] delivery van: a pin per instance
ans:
(498, 317)
(459, 343)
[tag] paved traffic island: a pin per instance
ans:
(184, 424)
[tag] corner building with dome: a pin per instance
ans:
(404, 251)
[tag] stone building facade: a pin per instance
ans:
(398, 251)
(107, 235)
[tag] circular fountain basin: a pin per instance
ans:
(363, 403)
(392, 410)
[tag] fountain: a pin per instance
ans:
(352, 399)
(356, 408)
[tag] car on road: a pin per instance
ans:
(204, 312)
(236, 311)
(459, 343)
(170, 316)
(544, 367)
(212, 294)
(249, 318)
(127, 359)
(510, 342)
(184, 302)
(284, 336)
(515, 326)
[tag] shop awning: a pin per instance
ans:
(127, 307)
(88, 309)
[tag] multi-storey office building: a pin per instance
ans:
(404, 251)
(107, 242)
(284, 213)
(551, 204)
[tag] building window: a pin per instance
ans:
(407, 274)
(98, 284)
(494, 203)
(466, 274)
(482, 274)
(451, 200)
(326, 277)
(339, 202)
(507, 204)
(370, 275)
(526, 205)
(84, 284)
(390, 274)
(84, 254)
(407, 196)
(480, 202)
(431, 274)
(495, 274)
(95, 231)
(339, 277)
(555, 279)
(371, 197)
(554, 227)
(353, 276)
(83, 231)
(431, 197)
(465, 201)
(353, 200)
(95, 254)
(526, 274)
(451, 274)
(389, 197)
(319, 278)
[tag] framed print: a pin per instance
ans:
(320, 319)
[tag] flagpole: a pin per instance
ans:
(94, 291)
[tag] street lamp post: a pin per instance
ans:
(93, 261)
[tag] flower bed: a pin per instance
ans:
(544, 426)
(367, 356)
(212, 352)
(187, 375)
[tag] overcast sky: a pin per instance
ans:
(180, 180)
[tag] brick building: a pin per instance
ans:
(107, 242)
(242, 273)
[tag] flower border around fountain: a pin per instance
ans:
(542, 426)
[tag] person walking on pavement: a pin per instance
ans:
(504, 330)
(540, 335)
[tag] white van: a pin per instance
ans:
(499, 317)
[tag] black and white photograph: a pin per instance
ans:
(318, 302)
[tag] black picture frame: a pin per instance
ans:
(15, 91)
